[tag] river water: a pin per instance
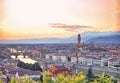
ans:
(25, 60)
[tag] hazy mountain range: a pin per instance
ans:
(96, 37)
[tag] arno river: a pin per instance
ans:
(25, 60)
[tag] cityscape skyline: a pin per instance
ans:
(60, 41)
(21, 19)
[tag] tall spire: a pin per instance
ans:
(79, 40)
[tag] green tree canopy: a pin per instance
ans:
(34, 66)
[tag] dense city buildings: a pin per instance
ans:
(58, 58)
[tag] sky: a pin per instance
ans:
(20, 19)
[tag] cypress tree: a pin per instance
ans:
(90, 73)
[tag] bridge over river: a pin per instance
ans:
(23, 58)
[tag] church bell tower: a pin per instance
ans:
(79, 40)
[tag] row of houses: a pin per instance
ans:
(17, 72)
(83, 60)
(11, 71)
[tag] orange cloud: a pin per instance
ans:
(68, 27)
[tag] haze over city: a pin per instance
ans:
(20, 19)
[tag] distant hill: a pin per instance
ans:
(94, 34)
(86, 37)
(40, 40)
(105, 39)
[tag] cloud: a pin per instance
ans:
(68, 27)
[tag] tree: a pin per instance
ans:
(36, 66)
(68, 59)
(61, 78)
(22, 80)
(103, 79)
(64, 78)
(26, 66)
(117, 66)
(41, 78)
(90, 74)
(20, 63)
(47, 77)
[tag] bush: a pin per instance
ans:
(62, 78)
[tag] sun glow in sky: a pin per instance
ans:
(31, 18)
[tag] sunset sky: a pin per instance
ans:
(55, 18)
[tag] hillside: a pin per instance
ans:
(105, 39)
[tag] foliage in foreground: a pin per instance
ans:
(63, 78)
